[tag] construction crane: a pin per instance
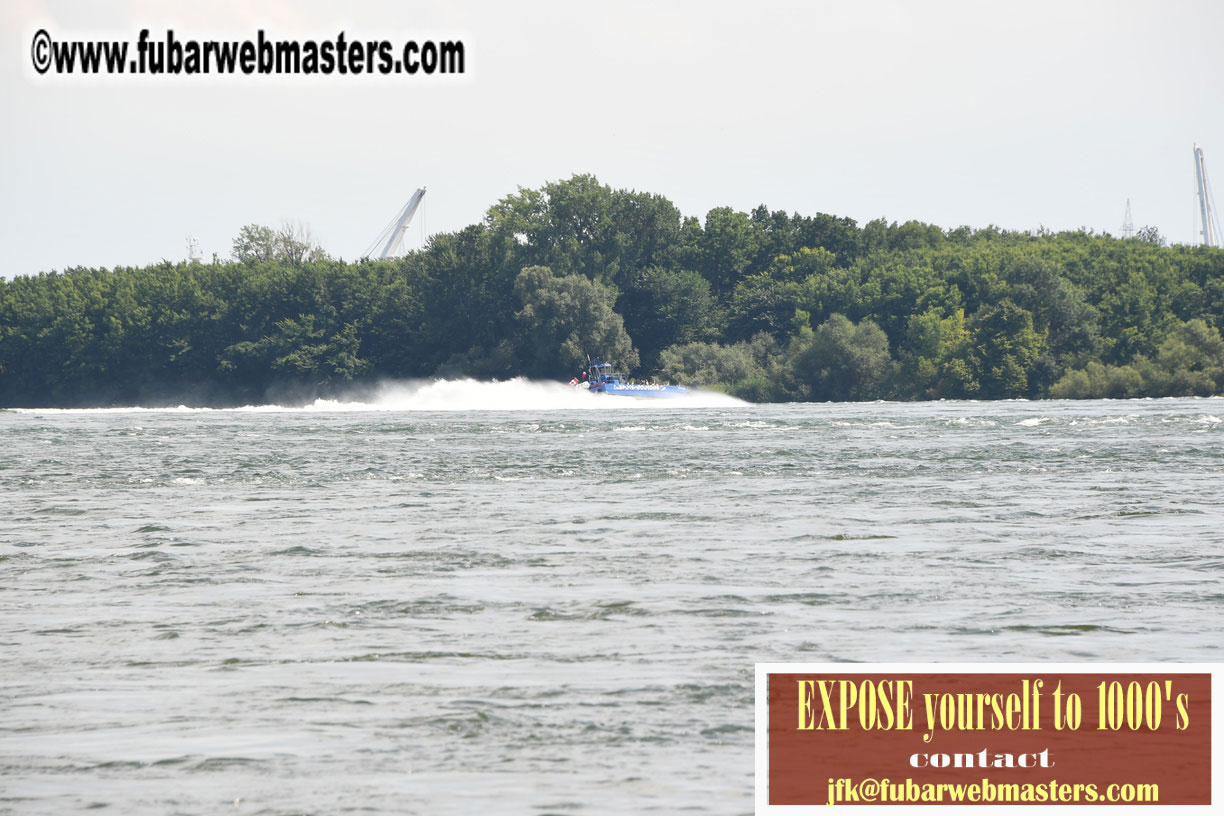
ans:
(1128, 223)
(1211, 229)
(393, 234)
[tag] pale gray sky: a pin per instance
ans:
(1020, 114)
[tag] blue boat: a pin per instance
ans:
(601, 379)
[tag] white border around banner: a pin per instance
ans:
(763, 670)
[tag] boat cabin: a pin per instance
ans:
(600, 372)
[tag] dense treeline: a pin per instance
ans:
(767, 305)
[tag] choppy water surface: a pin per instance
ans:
(555, 609)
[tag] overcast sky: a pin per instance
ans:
(1023, 115)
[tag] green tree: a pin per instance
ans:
(1189, 362)
(1071, 314)
(842, 360)
(255, 243)
(747, 369)
(297, 351)
(1058, 307)
(1006, 347)
(935, 363)
(565, 319)
(728, 246)
(292, 244)
(663, 307)
(579, 226)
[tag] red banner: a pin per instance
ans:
(1033, 737)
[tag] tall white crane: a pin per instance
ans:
(393, 234)
(1211, 229)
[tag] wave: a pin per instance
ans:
(452, 395)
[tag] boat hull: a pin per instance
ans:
(648, 392)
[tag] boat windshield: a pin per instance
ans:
(603, 371)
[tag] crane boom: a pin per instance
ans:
(1206, 210)
(401, 225)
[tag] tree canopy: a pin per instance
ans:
(766, 304)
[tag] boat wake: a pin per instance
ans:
(508, 395)
(464, 395)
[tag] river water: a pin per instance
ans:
(510, 598)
